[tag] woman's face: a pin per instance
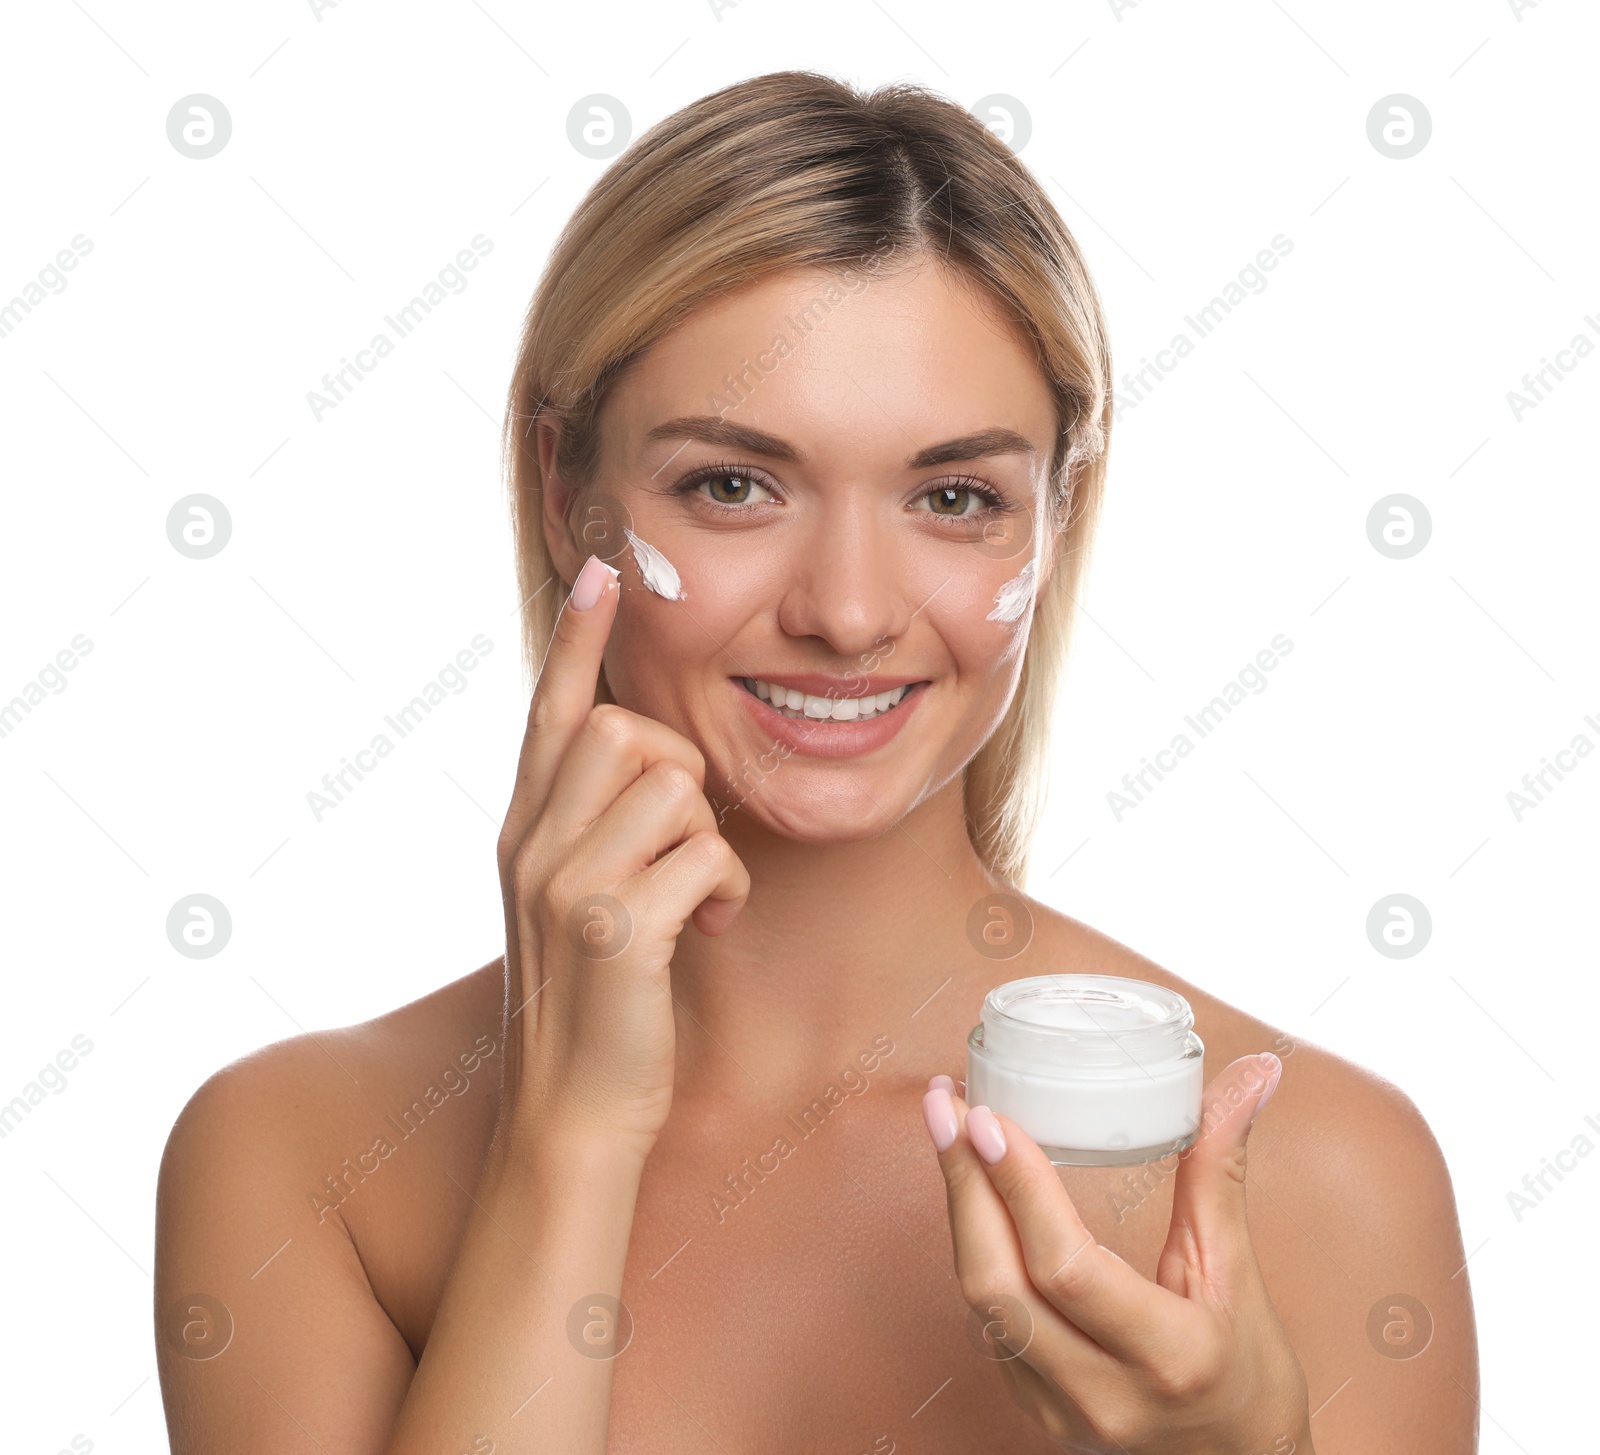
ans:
(848, 486)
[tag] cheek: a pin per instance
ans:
(984, 654)
(982, 612)
(645, 644)
(659, 650)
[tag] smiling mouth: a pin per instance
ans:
(808, 707)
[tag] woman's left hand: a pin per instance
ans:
(1194, 1363)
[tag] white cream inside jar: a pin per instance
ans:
(1099, 1070)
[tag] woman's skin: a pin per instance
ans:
(361, 1250)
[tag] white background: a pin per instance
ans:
(370, 144)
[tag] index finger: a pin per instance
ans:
(563, 695)
(990, 1264)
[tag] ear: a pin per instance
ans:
(556, 503)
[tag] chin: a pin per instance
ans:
(847, 816)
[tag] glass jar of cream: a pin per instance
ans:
(1100, 1071)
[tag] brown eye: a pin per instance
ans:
(949, 502)
(727, 485)
(729, 489)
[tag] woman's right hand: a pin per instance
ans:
(609, 847)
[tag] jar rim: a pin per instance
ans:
(1165, 1011)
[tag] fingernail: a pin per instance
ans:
(591, 582)
(939, 1112)
(1274, 1069)
(983, 1131)
(943, 1081)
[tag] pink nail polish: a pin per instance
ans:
(983, 1131)
(942, 1081)
(592, 580)
(939, 1112)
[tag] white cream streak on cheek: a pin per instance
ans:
(656, 570)
(1012, 599)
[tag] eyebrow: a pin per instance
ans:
(713, 429)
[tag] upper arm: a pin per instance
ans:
(1367, 1246)
(268, 1336)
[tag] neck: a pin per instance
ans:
(839, 944)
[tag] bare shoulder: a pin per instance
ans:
(1354, 1221)
(1341, 1113)
(298, 1095)
(283, 1187)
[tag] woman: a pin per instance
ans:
(812, 408)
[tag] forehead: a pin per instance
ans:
(881, 363)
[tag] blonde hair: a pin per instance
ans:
(796, 169)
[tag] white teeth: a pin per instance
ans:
(794, 703)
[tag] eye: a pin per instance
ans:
(729, 485)
(950, 500)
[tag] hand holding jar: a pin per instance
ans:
(1106, 1360)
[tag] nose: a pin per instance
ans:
(847, 583)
